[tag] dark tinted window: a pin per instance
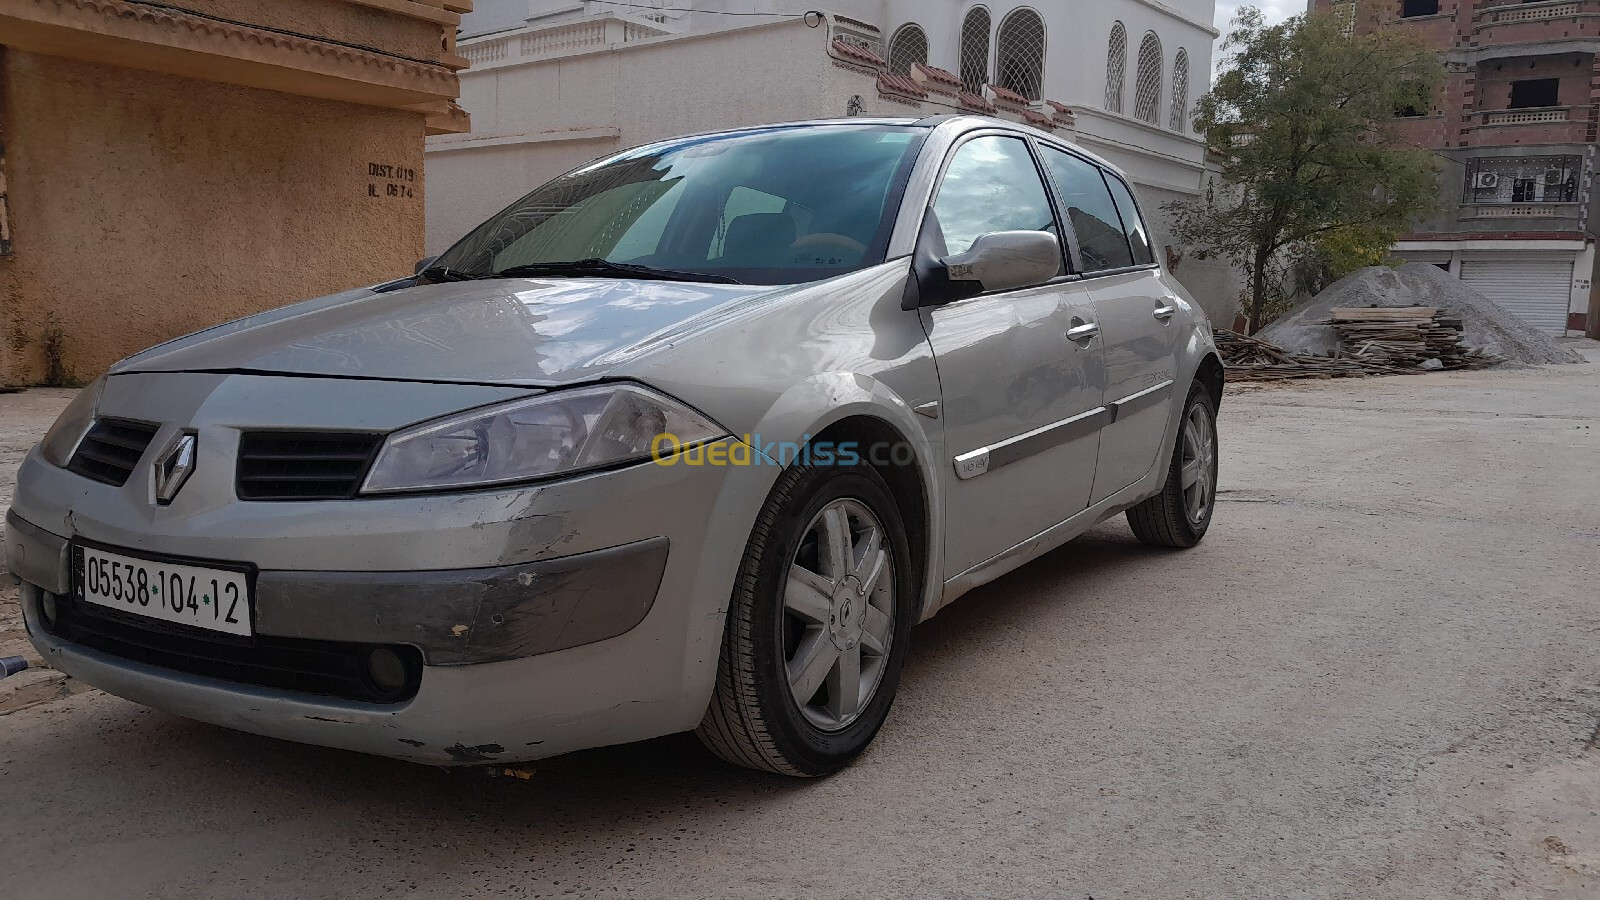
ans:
(1535, 92)
(1093, 214)
(1138, 235)
(990, 185)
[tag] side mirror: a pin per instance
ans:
(423, 264)
(1007, 260)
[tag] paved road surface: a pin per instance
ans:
(1377, 678)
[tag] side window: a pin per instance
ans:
(990, 185)
(1138, 235)
(1091, 210)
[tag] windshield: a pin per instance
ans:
(779, 206)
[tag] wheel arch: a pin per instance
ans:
(1210, 373)
(907, 486)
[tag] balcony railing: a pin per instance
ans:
(557, 40)
(1527, 116)
(1528, 12)
(1527, 211)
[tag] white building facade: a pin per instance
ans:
(557, 83)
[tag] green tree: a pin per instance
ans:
(1304, 118)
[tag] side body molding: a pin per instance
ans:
(987, 459)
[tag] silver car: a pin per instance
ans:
(688, 438)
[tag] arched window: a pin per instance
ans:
(1180, 92)
(1147, 81)
(1019, 53)
(975, 49)
(1116, 67)
(909, 45)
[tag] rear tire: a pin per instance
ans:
(818, 626)
(1180, 515)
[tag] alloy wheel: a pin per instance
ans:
(1199, 466)
(838, 615)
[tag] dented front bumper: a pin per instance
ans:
(550, 618)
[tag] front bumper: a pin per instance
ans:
(551, 617)
(454, 617)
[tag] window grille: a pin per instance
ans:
(1116, 67)
(909, 45)
(1019, 53)
(1180, 92)
(1147, 82)
(975, 49)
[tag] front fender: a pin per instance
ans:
(815, 404)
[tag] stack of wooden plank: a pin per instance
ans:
(1406, 337)
(1252, 359)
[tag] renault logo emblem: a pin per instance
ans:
(173, 468)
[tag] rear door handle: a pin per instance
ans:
(1165, 312)
(1083, 332)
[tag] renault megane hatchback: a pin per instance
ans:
(688, 438)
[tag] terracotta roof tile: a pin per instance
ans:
(1038, 119)
(972, 101)
(1006, 95)
(937, 75)
(858, 53)
(1060, 108)
(892, 83)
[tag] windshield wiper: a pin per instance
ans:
(441, 274)
(606, 267)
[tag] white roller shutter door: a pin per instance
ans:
(1537, 290)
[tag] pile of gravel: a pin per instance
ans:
(1486, 326)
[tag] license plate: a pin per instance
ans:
(197, 596)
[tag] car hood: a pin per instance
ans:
(539, 332)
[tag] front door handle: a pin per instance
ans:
(1165, 312)
(1083, 332)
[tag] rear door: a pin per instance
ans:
(1021, 402)
(1135, 313)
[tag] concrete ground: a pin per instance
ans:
(1378, 677)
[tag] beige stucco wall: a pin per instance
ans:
(147, 206)
(353, 23)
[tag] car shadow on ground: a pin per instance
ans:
(127, 756)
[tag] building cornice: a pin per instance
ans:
(1471, 56)
(1096, 113)
(435, 11)
(160, 39)
(1169, 12)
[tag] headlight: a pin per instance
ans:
(558, 433)
(62, 439)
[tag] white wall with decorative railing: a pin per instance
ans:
(557, 40)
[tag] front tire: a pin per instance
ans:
(817, 628)
(1180, 515)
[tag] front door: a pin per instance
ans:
(1021, 401)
